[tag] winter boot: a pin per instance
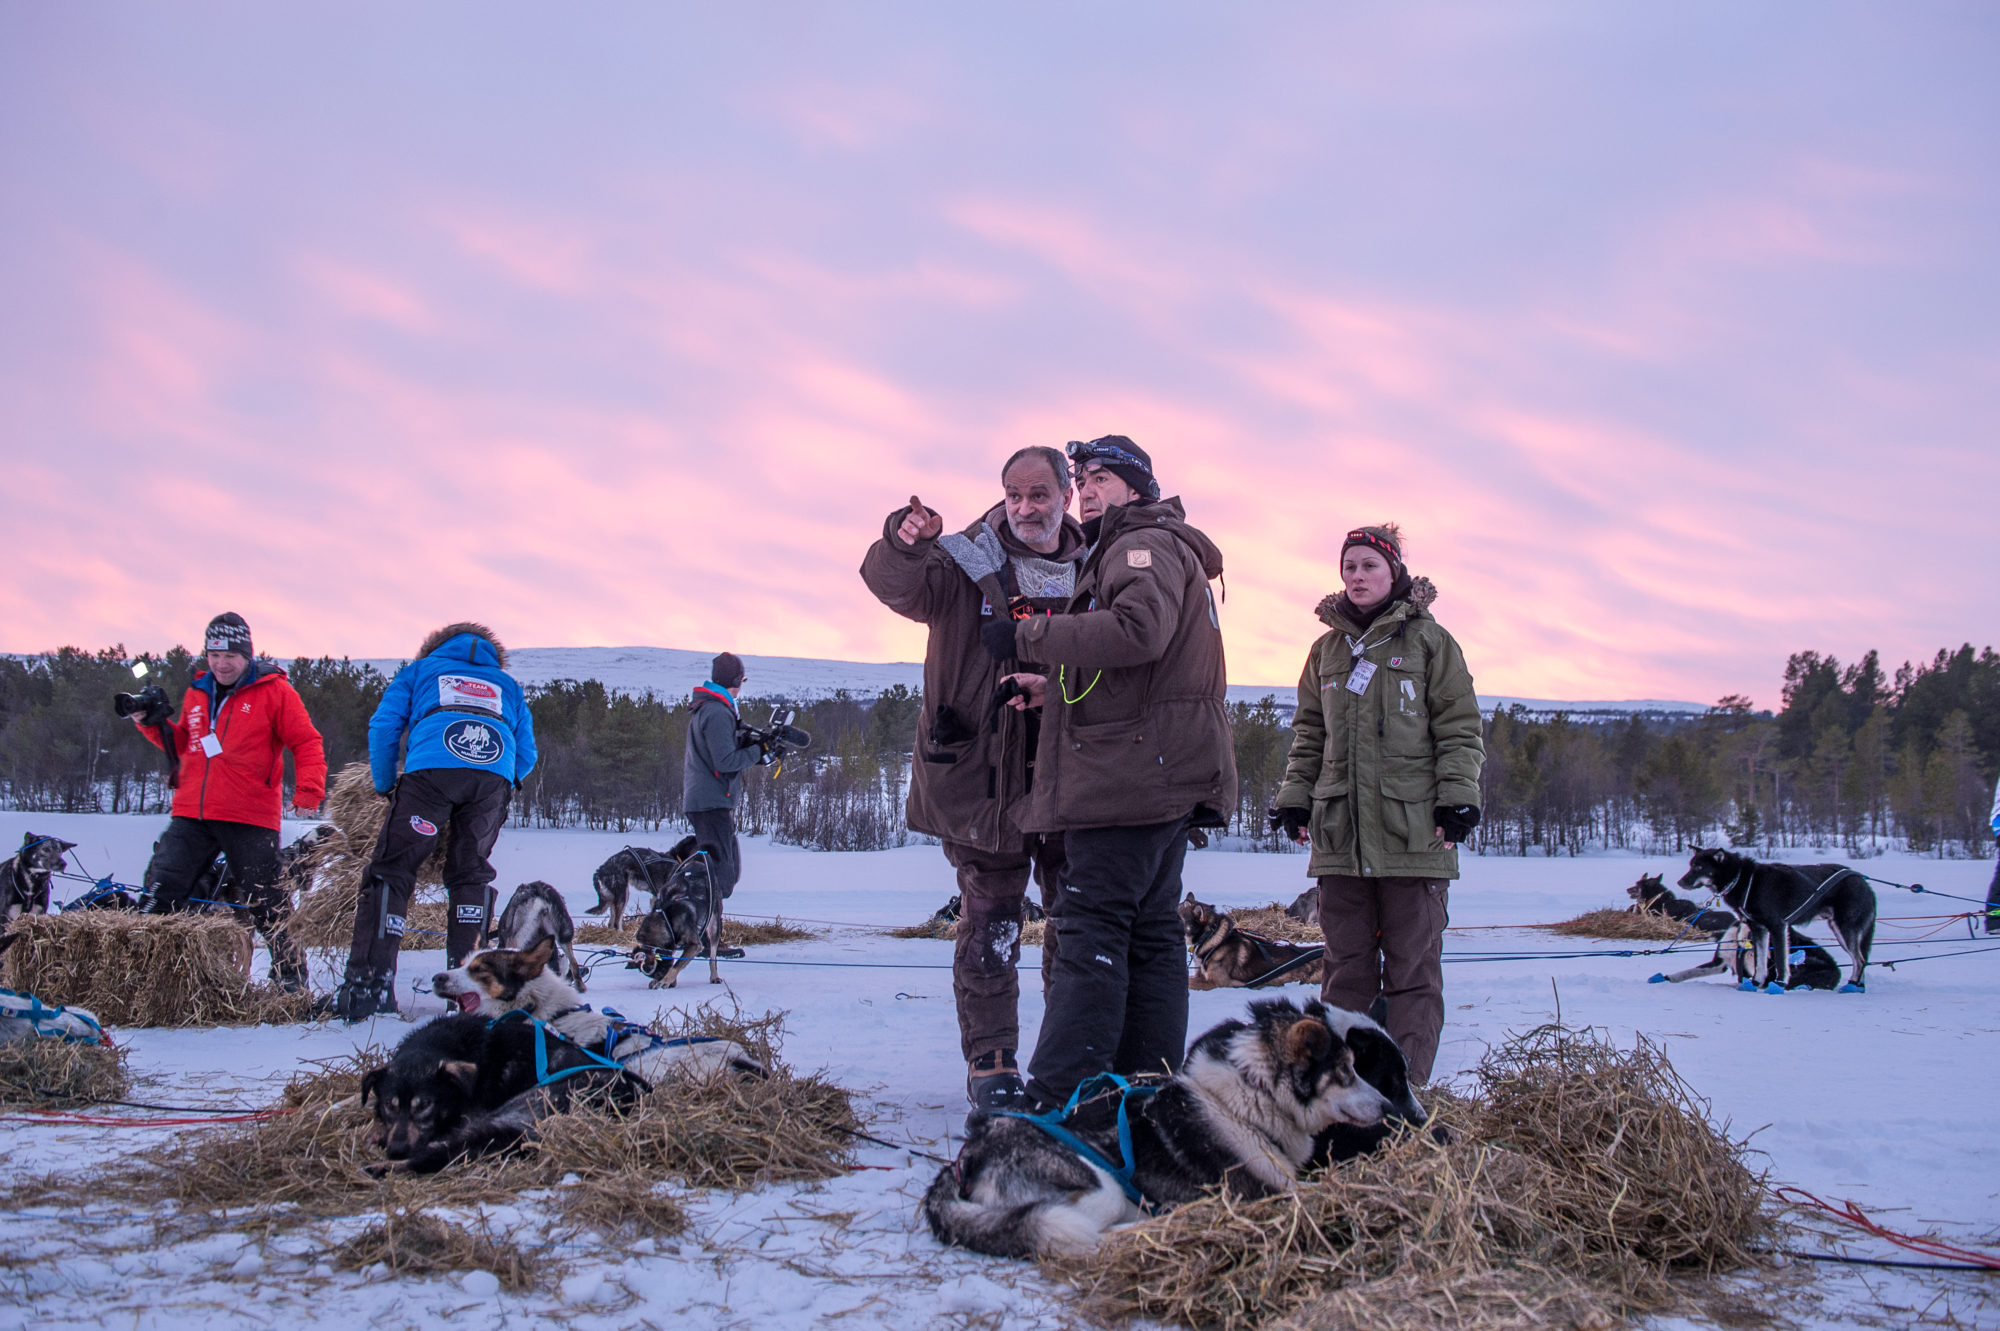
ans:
(364, 994)
(993, 1085)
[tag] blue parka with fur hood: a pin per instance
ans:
(459, 707)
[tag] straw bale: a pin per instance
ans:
(414, 1242)
(1568, 1188)
(146, 970)
(1648, 926)
(50, 1073)
(336, 865)
(1272, 922)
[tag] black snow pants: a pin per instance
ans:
(1993, 899)
(473, 805)
(985, 974)
(715, 832)
(183, 854)
(1118, 995)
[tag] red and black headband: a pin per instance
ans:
(1362, 536)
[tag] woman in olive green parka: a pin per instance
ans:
(1384, 777)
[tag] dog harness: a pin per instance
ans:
(620, 1026)
(1121, 1173)
(1819, 895)
(71, 1025)
(543, 1077)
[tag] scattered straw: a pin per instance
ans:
(414, 1242)
(336, 865)
(1031, 931)
(146, 970)
(1571, 1186)
(735, 933)
(1610, 923)
(48, 1073)
(1272, 922)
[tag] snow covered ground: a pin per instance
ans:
(1886, 1098)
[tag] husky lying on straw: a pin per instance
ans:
(1242, 1113)
(500, 980)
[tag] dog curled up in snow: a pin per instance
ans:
(1228, 957)
(537, 911)
(1244, 1113)
(26, 875)
(498, 980)
(464, 1086)
(1773, 898)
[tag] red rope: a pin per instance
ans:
(1850, 1213)
(58, 1117)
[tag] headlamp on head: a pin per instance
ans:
(1111, 453)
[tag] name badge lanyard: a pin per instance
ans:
(1364, 669)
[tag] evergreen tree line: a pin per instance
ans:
(1853, 758)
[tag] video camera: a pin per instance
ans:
(149, 704)
(778, 736)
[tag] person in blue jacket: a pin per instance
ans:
(471, 744)
(1993, 892)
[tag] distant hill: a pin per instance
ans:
(671, 671)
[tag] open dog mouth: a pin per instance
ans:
(467, 1003)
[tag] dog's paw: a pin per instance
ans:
(1747, 986)
(384, 1168)
(1774, 988)
(1852, 988)
(1658, 978)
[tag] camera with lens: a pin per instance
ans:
(777, 738)
(149, 704)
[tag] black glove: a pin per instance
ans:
(998, 638)
(1457, 820)
(1292, 822)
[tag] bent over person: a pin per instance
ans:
(975, 760)
(1383, 780)
(237, 721)
(471, 744)
(1134, 752)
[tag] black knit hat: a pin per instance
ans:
(726, 670)
(228, 632)
(1385, 540)
(1119, 456)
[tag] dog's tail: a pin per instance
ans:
(1024, 1231)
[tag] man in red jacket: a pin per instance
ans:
(238, 718)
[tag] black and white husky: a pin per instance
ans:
(1243, 1113)
(536, 911)
(499, 980)
(25, 876)
(634, 869)
(1772, 898)
(1811, 966)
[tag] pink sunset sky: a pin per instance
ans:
(1670, 334)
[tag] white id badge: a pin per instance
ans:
(210, 745)
(1358, 681)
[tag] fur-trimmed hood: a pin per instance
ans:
(1422, 592)
(439, 637)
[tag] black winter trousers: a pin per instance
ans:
(992, 902)
(185, 851)
(474, 805)
(1118, 994)
(715, 832)
(1993, 899)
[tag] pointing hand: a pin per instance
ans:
(919, 524)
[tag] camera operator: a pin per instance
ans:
(719, 750)
(974, 764)
(239, 716)
(471, 744)
(1134, 754)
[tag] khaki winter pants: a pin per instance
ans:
(1386, 936)
(985, 979)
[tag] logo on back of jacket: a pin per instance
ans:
(473, 741)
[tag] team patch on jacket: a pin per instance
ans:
(466, 691)
(473, 741)
(422, 826)
(1138, 558)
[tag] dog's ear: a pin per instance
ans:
(371, 1083)
(535, 957)
(457, 1070)
(1306, 1041)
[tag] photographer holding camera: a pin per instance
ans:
(720, 748)
(226, 759)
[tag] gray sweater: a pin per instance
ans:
(713, 774)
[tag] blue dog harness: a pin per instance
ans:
(620, 1028)
(1121, 1173)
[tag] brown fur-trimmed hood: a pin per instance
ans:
(1422, 592)
(439, 637)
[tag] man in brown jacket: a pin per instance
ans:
(974, 760)
(1134, 751)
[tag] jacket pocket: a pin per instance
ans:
(1409, 811)
(1108, 697)
(1333, 818)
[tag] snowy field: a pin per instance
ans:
(1887, 1098)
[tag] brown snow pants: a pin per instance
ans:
(985, 980)
(1386, 936)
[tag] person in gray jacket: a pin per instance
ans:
(713, 776)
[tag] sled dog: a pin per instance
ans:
(1650, 896)
(1242, 1113)
(467, 1086)
(1812, 966)
(1227, 957)
(686, 915)
(25, 876)
(1772, 899)
(500, 980)
(634, 869)
(536, 910)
